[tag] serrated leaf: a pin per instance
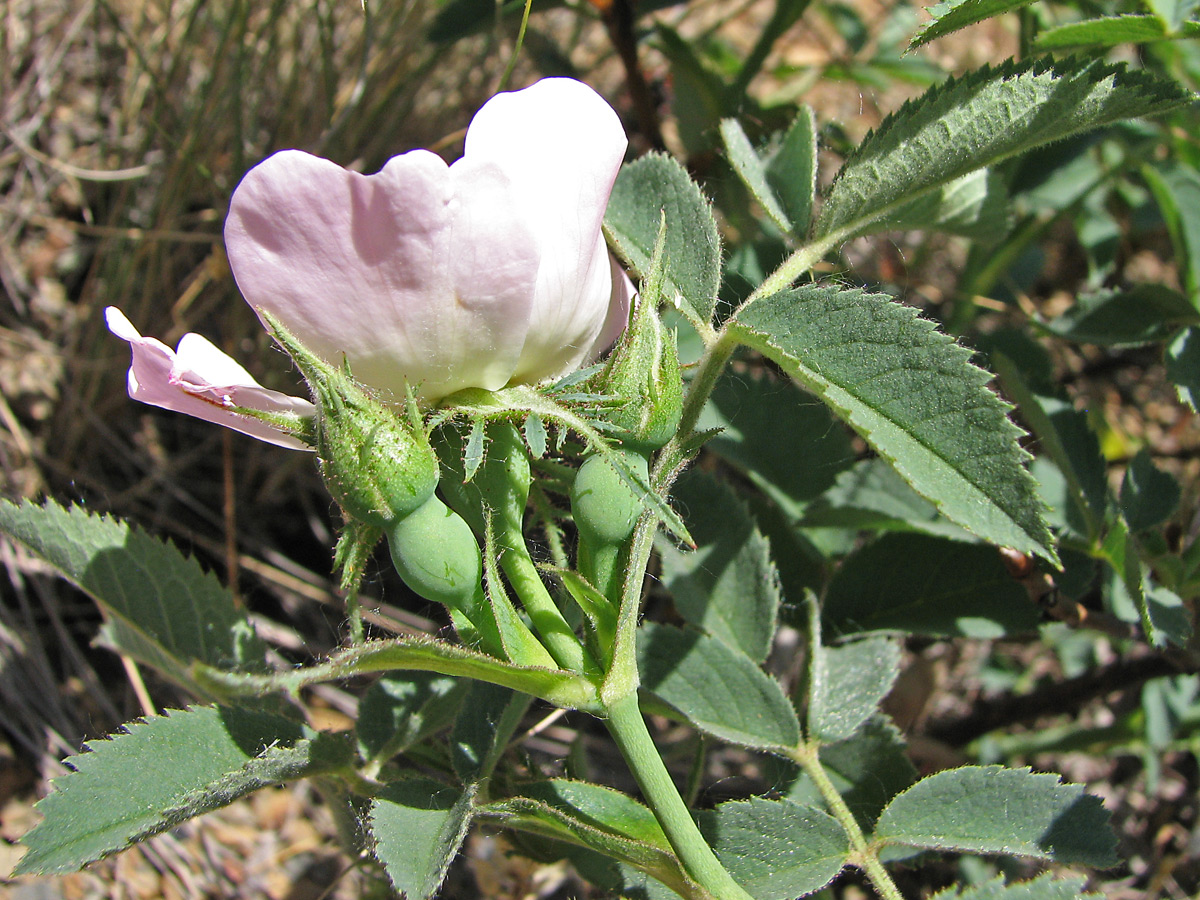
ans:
(399, 710)
(744, 160)
(171, 612)
(915, 397)
(952, 15)
(644, 191)
(715, 688)
(728, 586)
(847, 683)
(1044, 887)
(1140, 315)
(978, 120)
(765, 425)
(163, 771)
(418, 825)
(948, 589)
(990, 809)
(776, 849)
(792, 169)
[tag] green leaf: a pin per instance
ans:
(163, 771)
(867, 769)
(483, 727)
(1148, 494)
(1144, 313)
(1140, 315)
(728, 586)
(1103, 32)
(915, 397)
(1064, 436)
(990, 809)
(792, 170)
(847, 683)
(974, 206)
(418, 825)
(977, 121)
(871, 495)
(923, 585)
(647, 188)
(955, 14)
(1183, 366)
(397, 711)
(1044, 887)
(753, 174)
(698, 101)
(597, 818)
(165, 610)
(716, 689)
(767, 424)
(776, 849)
(1176, 189)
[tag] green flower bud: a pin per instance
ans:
(605, 511)
(377, 464)
(437, 556)
(643, 374)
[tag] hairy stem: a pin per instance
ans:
(864, 856)
(629, 730)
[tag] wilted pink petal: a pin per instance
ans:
(480, 274)
(201, 381)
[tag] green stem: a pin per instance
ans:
(865, 856)
(628, 729)
(563, 644)
(796, 265)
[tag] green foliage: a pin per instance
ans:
(202, 758)
(418, 825)
(1112, 30)
(977, 121)
(715, 688)
(952, 15)
(1044, 887)
(989, 809)
(777, 849)
(727, 587)
(952, 589)
(931, 417)
(846, 683)
(165, 610)
(645, 191)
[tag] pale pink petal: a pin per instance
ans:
(561, 145)
(201, 381)
(421, 273)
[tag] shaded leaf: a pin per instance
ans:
(1044, 887)
(1107, 31)
(792, 169)
(728, 586)
(1183, 366)
(1148, 494)
(990, 809)
(715, 688)
(948, 589)
(1142, 314)
(399, 710)
(974, 206)
(913, 394)
(418, 825)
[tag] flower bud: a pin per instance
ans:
(643, 375)
(377, 464)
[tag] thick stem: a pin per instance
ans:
(563, 644)
(865, 856)
(629, 730)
